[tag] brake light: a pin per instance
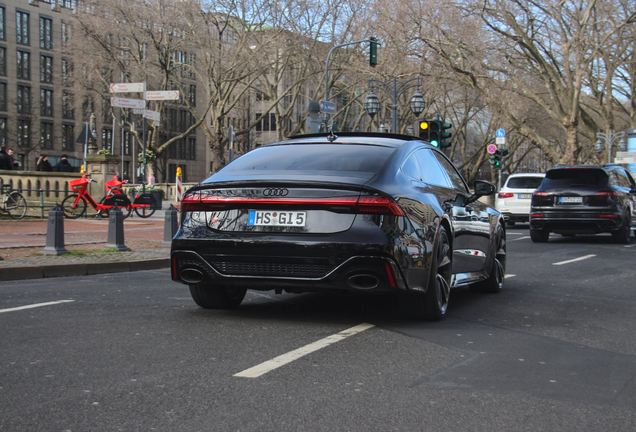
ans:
(349, 204)
(607, 194)
(505, 195)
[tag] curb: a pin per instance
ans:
(86, 269)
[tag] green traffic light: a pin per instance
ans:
(434, 143)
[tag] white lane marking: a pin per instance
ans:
(513, 233)
(281, 360)
(508, 276)
(574, 260)
(31, 306)
(520, 238)
(630, 245)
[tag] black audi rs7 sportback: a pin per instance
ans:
(352, 212)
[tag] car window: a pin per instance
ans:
(623, 180)
(411, 167)
(452, 173)
(432, 171)
(524, 182)
(326, 158)
(576, 177)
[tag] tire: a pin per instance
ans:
(69, 211)
(145, 212)
(15, 205)
(211, 296)
(539, 235)
(494, 283)
(125, 210)
(624, 233)
(433, 304)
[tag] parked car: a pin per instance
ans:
(356, 212)
(513, 200)
(587, 199)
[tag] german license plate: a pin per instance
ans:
(277, 218)
(571, 200)
(524, 196)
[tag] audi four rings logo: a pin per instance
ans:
(275, 192)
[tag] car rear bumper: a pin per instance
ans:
(357, 273)
(591, 223)
(516, 217)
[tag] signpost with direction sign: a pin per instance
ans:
(127, 103)
(127, 87)
(162, 95)
(327, 107)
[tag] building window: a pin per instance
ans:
(24, 99)
(67, 72)
(2, 22)
(24, 65)
(46, 135)
(191, 149)
(66, 34)
(68, 111)
(3, 96)
(46, 33)
(68, 137)
(3, 60)
(192, 95)
(3, 131)
(127, 141)
(46, 102)
(46, 69)
(22, 28)
(24, 133)
(272, 121)
(107, 139)
(259, 127)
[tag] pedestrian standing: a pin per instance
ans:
(44, 164)
(14, 163)
(63, 165)
(5, 160)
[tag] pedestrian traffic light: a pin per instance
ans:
(434, 133)
(424, 125)
(373, 51)
(444, 137)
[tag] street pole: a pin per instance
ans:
(326, 115)
(394, 92)
(610, 138)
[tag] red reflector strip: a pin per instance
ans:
(174, 268)
(609, 216)
(389, 274)
(536, 215)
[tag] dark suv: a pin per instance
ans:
(588, 199)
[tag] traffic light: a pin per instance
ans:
(424, 126)
(444, 137)
(434, 133)
(497, 156)
(373, 52)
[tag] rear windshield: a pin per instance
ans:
(326, 158)
(524, 182)
(564, 178)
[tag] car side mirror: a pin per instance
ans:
(482, 188)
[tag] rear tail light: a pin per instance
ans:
(607, 194)
(539, 194)
(505, 195)
(347, 204)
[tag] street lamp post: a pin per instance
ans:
(610, 138)
(394, 89)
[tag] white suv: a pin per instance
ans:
(513, 200)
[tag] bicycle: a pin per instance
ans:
(74, 205)
(13, 202)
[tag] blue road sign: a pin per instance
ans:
(327, 107)
(501, 133)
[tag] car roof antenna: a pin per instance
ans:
(332, 136)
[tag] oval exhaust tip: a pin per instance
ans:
(191, 275)
(363, 281)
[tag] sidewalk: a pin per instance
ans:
(22, 240)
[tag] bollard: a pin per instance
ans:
(170, 226)
(55, 233)
(116, 230)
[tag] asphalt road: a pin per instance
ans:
(555, 351)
